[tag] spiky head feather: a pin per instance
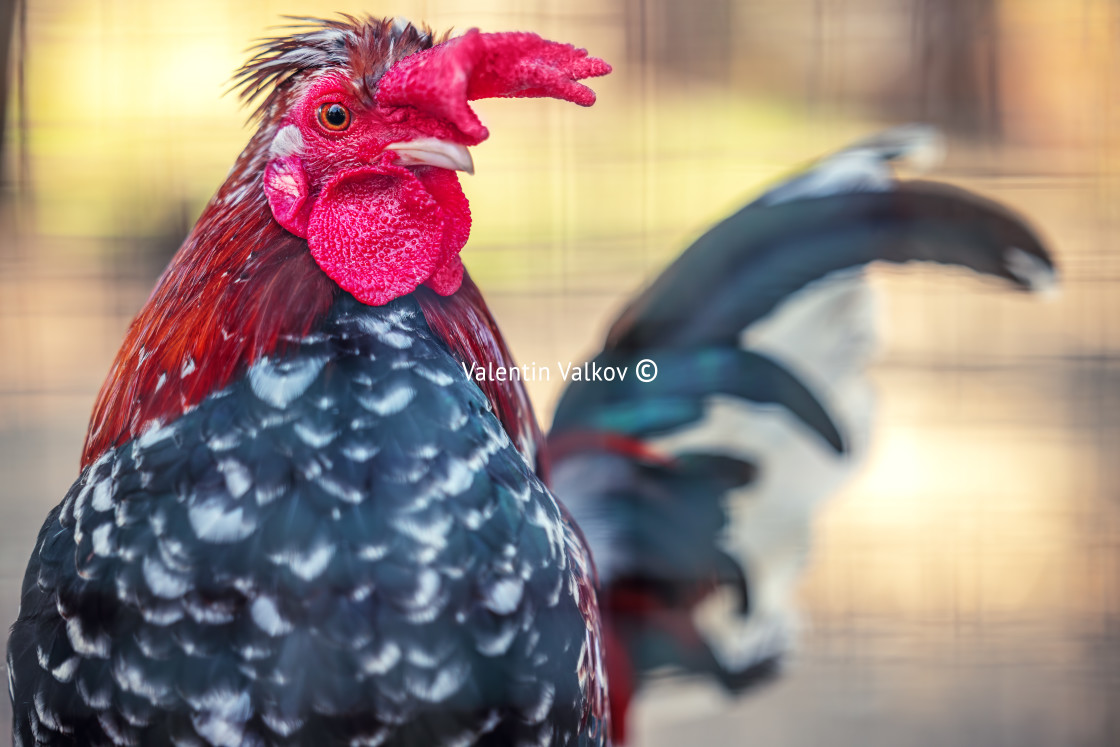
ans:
(366, 48)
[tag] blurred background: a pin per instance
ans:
(966, 589)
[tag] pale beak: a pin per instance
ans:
(430, 151)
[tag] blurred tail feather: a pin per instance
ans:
(696, 490)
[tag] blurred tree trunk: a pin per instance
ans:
(957, 66)
(689, 40)
(8, 75)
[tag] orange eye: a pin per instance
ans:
(334, 117)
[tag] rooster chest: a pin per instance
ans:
(343, 541)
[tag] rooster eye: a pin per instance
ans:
(334, 117)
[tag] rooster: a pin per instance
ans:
(300, 521)
(297, 520)
(694, 491)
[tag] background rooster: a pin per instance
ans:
(282, 363)
(695, 492)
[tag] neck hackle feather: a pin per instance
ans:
(241, 287)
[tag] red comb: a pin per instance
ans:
(441, 80)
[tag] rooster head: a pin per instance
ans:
(369, 122)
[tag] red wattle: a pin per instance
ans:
(380, 231)
(444, 186)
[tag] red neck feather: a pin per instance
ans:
(239, 288)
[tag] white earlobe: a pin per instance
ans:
(288, 142)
